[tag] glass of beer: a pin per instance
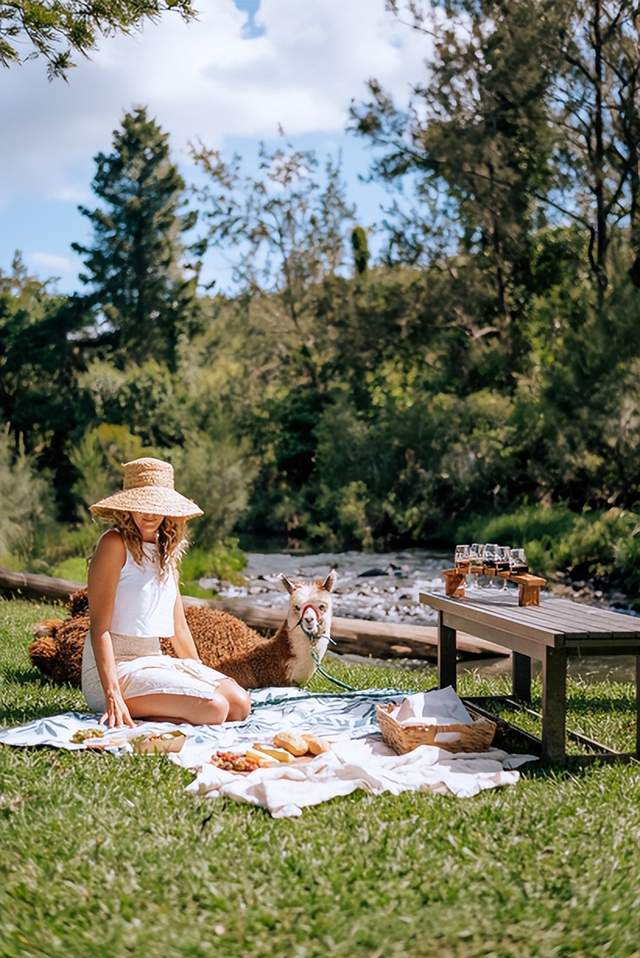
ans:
(503, 564)
(489, 562)
(519, 563)
(475, 564)
(462, 559)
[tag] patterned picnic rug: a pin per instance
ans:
(358, 759)
(272, 709)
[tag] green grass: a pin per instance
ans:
(105, 856)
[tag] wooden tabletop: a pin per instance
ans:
(555, 622)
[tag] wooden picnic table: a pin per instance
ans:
(552, 633)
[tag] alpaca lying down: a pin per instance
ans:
(223, 641)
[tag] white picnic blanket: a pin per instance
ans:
(358, 758)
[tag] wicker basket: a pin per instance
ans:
(476, 737)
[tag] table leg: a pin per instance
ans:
(638, 706)
(554, 705)
(446, 654)
(521, 676)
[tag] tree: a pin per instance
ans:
(135, 264)
(569, 72)
(288, 231)
(61, 29)
(596, 112)
(475, 137)
(40, 362)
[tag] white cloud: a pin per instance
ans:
(72, 193)
(51, 262)
(202, 80)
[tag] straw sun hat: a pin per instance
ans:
(148, 487)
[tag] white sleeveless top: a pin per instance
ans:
(143, 603)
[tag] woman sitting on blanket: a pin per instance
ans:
(134, 601)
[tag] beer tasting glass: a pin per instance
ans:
(519, 563)
(462, 559)
(489, 562)
(503, 564)
(475, 564)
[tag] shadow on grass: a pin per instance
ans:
(588, 703)
(20, 716)
(25, 676)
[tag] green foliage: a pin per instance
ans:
(74, 569)
(63, 541)
(27, 500)
(146, 398)
(601, 546)
(224, 561)
(543, 525)
(135, 266)
(215, 471)
(360, 249)
(61, 30)
(98, 458)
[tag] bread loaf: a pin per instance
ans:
(314, 744)
(291, 742)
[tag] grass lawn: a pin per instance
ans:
(105, 856)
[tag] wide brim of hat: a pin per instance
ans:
(156, 500)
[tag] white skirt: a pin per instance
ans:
(142, 669)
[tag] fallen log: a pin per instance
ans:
(355, 636)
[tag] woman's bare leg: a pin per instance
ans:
(164, 707)
(238, 698)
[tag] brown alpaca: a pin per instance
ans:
(223, 641)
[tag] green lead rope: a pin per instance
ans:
(324, 673)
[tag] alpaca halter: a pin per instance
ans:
(313, 641)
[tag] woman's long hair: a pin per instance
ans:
(172, 539)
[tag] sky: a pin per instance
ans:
(228, 79)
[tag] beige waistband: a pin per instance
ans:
(127, 647)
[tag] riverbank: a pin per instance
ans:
(381, 586)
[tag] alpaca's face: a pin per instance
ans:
(310, 606)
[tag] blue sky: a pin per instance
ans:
(228, 79)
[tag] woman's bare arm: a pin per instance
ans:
(182, 641)
(102, 581)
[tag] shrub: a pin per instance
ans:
(224, 561)
(599, 546)
(27, 500)
(74, 569)
(99, 456)
(534, 527)
(217, 473)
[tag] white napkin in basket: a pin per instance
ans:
(438, 707)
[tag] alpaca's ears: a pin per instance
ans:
(330, 581)
(287, 583)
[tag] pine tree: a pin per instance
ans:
(135, 264)
(59, 31)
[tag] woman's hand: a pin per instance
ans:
(117, 712)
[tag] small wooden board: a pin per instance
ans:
(528, 585)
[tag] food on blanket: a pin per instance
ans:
(263, 760)
(85, 733)
(165, 742)
(315, 745)
(234, 762)
(278, 753)
(291, 742)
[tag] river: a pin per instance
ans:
(385, 587)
